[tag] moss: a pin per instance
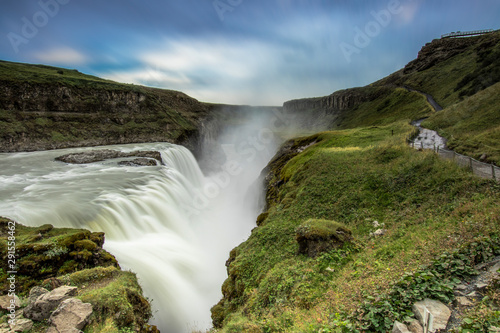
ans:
(117, 295)
(261, 218)
(316, 236)
(85, 244)
(68, 267)
(314, 228)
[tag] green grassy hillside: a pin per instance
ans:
(439, 220)
(472, 126)
(428, 206)
(43, 107)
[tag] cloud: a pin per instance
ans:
(213, 69)
(61, 56)
(409, 11)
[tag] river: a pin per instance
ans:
(170, 224)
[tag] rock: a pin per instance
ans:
(379, 232)
(473, 294)
(318, 236)
(376, 224)
(48, 302)
(461, 287)
(6, 301)
(440, 312)
(21, 325)
(36, 292)
(463, 301)
(98, 155)
(52, 282)
(415, 327)
(139, 162)
(481, 286)
(329, 269)
(71, 314)
(399, 328)
(495, 268)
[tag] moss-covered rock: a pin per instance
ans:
(46, 252)
(50, 257)
(318, 236)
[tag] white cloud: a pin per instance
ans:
(149, 76)
(62, 56)
(211, 70)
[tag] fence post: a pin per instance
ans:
(470, 163)
(438, 150)
(493, 172)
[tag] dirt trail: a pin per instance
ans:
(430, 99)
(427, 139)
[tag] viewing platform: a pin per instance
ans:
(467, 33)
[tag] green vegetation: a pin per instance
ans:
(389, 106)
(472, 126)
(65, 108)
(428, 206)
(439, 220)
(75, 257)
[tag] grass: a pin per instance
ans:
(472, 126)
(75, 257)
(89, 110)
(357, 176)
(390, 106)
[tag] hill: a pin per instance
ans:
(450, 70)
(413, 226)
(43, 107)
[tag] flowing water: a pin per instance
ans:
(170, 224)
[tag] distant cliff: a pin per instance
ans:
(464, 65)
(44, 107)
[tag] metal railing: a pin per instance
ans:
(467, 33)
(481, 169)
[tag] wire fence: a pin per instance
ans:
(480, 169)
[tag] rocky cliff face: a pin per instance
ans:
(438, 51)
(338, 101)
(329, 109)
(61, 112)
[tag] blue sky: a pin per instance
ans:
(258, 52)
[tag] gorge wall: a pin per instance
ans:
(46, 108)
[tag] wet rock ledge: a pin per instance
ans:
(145, 158)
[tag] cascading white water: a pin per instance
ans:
(170, 224)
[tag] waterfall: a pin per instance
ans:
(169, 223)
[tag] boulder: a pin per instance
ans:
(48, 302)
(415, 327)
(399, 328)
(6, 301)
(378, 232)
(318, 236)
(463, 301)
(21, 325)
(71, 315)
(440, 312)
(36, 292)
